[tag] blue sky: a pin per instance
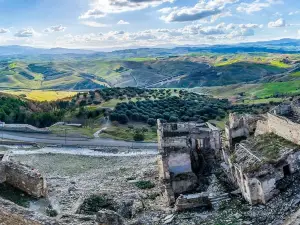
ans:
(114, 24)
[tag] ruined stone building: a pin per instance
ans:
(240, 127)
(261, 163)
(186, 154)
(22, 177)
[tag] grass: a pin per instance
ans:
(261, 101)
(219, 123)
(280, 64)
(113, 102)
(74, 131)
(122, 132)
(228, 90)
(253, 93)
(43, 95)
(270, 145)
(271, 89)
(295, 74)
(141, 59)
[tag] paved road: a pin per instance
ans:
(71, 141)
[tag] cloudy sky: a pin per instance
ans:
(115, 24)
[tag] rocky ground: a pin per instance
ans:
(81, 185)
(72, 179)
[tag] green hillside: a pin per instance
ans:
(187, 71)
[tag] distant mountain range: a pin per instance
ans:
(24, 50)
(274, 46)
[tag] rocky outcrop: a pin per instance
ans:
(109, 217)
(11, 214)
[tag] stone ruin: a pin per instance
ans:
(240, 127)
(260, 155)
(22, 177)
(29, 181)
(263, 151)
(186, 157)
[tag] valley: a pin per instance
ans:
(93, 125)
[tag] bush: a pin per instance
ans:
(94, 203)
(138, 136)
(151, 122)
(144, 184)
(51, 212)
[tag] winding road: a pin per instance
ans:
(51, 139)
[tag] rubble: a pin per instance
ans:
(23, 177)
(109, 217)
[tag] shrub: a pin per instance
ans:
(151, 122)
(144, 184)
(94, 203)
(138, 136)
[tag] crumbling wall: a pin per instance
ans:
(269, 189)
(178, 144)
(284, 127)
(251, 188)
(192, 201)
(262, 127)
(240, 126)
(24, 178)
(293, 160)
(179, 163)
(282, 109)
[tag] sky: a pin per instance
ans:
(119, 24)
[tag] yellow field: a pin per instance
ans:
(43, 95)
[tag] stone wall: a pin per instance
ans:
(179, 145)
(262, 127)
(23, 128)
(284, 127)
(24, 178)
(192, 201)
(240, 126)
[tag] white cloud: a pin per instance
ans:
(58, 28)
(94, 24)
(26, 32)
(244, 32)
(93, 13)
(299, 33)
(294, 13)
(277, 23)
(3, 30)
(100, 8)
(122, 22)
(251, 25)
(201, 10)
(167, 10)
(190, 34)
(277, 14)
(257, 5)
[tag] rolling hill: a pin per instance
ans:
(181, 67)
